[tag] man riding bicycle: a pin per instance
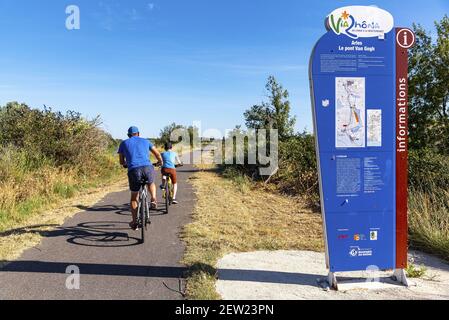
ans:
(170, 161)
(134, 155)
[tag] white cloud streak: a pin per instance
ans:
(113, 14)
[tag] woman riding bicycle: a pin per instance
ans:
(170, 161)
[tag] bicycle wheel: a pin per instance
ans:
(139, 209)
(147, 214)
(142, 217)
(172, 193)
(167, 200)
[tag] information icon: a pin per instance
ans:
(406, 38)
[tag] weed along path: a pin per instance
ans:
(98, 244)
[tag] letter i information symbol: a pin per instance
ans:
(406, 38)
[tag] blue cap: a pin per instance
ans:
(133, 130)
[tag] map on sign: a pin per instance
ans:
(350, 112)
(374, 123)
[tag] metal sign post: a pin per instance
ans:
(358, 75)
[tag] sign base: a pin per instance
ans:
(401, 276)
(346, 284)
(332, 279)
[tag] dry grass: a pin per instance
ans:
(26, 189)
(12, 244)
(44, 185)
(429, 221)
(235, 217)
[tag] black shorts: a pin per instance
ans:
(140, 175)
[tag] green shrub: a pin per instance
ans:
(428, 170)
(297, 174)
(65, 140)
(297, 166)
(46, 156)
(415, 272)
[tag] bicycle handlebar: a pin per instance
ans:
(157, 164)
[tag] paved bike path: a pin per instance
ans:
(112, 262)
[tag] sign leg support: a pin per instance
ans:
(401, 277)
(332, 279)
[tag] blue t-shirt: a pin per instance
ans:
(169, 158)
(136, 152)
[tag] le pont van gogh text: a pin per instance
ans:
(356, 46)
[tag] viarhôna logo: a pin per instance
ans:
(360, 22)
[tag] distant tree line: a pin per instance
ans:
(166, 133)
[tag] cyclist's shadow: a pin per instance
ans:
(160, 211)
(125, 209)
(120, 210)
(106, 234)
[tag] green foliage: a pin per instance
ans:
(46, 156)
(428, 171)
(272, 115)
(181, 131)
(165, 134)
(63, 140)
(429, 89)
(297, 172)
(298, 167)
(415, 272)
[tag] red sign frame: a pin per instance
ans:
(401, 151)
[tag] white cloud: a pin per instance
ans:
(113, 14)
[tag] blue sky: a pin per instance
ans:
(152, 62)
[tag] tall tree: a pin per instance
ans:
(165, 134)
(442, 82)
(429, 89)
(274, 114)
(193, 132)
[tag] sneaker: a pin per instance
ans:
(174, 201)
(153, 206)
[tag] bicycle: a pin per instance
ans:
(143, 210)
(168, 191)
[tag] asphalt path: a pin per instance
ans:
(112, 263)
